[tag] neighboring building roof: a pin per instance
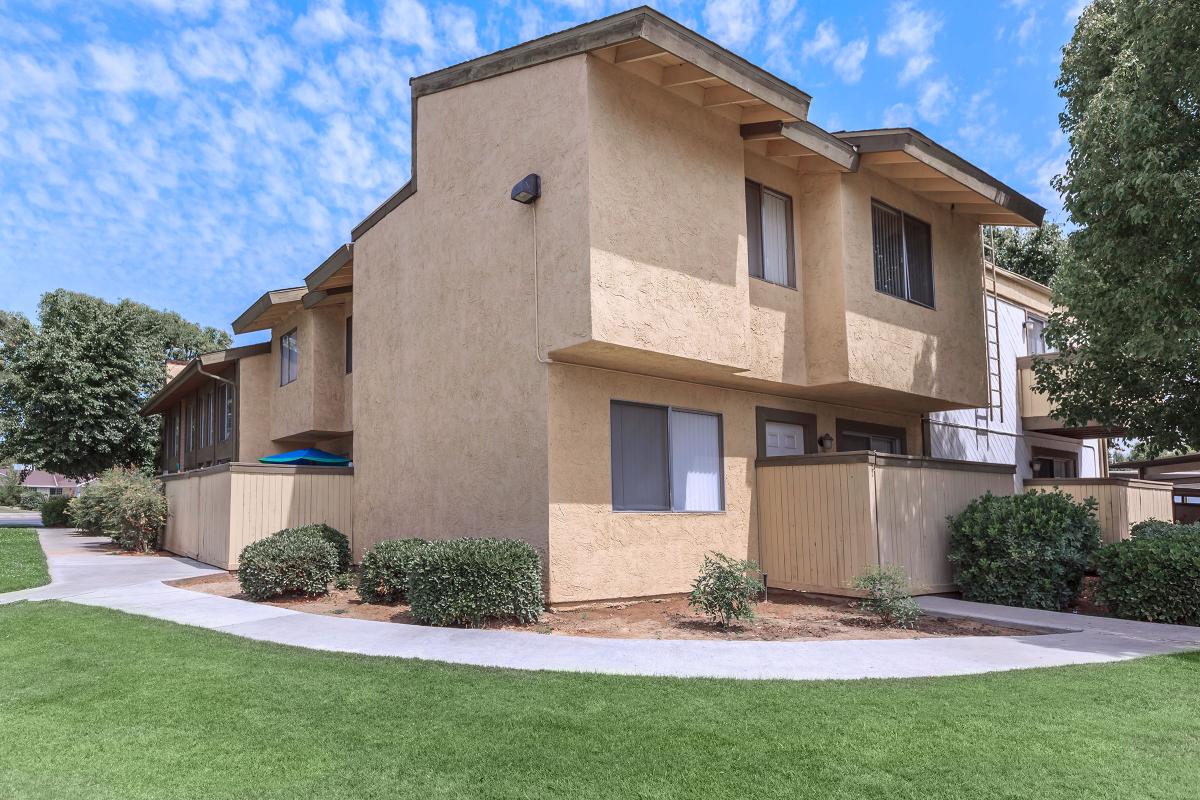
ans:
(1020, 290)
(40, 479)
(191, 375)
(772, 112)
(913, 160)
(1183, 461)
(272, 307)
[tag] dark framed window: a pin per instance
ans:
(666, 459)
(191, 425)
(903, 248)
(855, 435)
(770, 235)
(349, 344)
(1047, 463)
(225, 412)
(781, 433)
(289, 357)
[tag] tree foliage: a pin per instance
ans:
(1130, 287)
(1036, 253)
(70, 388)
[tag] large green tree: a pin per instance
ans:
(71, 387)
(1035, 253)
(1130, 287)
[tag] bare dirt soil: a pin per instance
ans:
(786, 616)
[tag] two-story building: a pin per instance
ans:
(706, 324)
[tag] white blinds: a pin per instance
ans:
(775, 239)
(695, 462)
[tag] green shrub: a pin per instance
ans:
(84, 511)
(1154, 578)
(1027, 550)
(466, 581)
(139, 516)
(15, 494)
(54, 511)
(332, 535)
(383, 577)
(343, 581)
(290, 562)
(1154, 528)
(888, 596)
(725, 590)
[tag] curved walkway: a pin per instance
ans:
(82, 572)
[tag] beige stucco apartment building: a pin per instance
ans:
(708, 287)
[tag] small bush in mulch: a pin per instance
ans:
(726, 589)
(888, 596)
(1028, 550)
(54, 512)
(1155, 578)
(467, 581)
(383, 577)
(330, 534)
(290, 562)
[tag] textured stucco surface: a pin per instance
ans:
(449, 396)
(598, 553)
(314, 402)
(257, 377)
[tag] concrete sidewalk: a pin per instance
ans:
(83, 574)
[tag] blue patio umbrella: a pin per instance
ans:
(309, 457)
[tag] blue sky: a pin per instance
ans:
(192, 154)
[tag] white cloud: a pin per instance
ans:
(326, 21)
(826, 46)
(1074, 10)
(898, 115)
(732, 23)
(910, 35)
(210, 54)
(458, 24)
(934, 100)
(120, 68)
(408, 22)
(1028, 27)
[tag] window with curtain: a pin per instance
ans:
(1035, 335)
(289, 357)
(770, 235)
(903, 249)
(666, 459)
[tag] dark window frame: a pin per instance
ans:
(754, 233)
(1049, 453)
(349, 344)
(764, 414)
(906, 272)
(842, 427)
(670, 506)
(289, 368)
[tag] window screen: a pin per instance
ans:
(639, 458)
(903, 249)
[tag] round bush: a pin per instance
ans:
(383, 577)
(465, 581)
(137, 516)
(290, 562)
(54, 512)
(330, 534)
(1026, 550)
(1154, 578)
(1154, 528)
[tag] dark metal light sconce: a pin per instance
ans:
(528, 189)
(825, 441)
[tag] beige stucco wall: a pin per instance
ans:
(937, 353)
(257, 379)
(598, 553)
(449, 395)
(314, 402)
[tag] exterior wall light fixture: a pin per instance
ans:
(527, 189)
(825, 441)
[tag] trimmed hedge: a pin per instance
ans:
(1154, 528)
(467, 581)
(330, 534)
(383, 577)
(1154, 578)
(54, 512)
(1028, 550)
(289, 562)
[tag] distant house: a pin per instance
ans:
(49, 484)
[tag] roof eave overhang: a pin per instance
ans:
(252, 318)
(1007, 206)
(158, 401)
(807, 138)
(330, 267)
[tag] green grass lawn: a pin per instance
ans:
(98, 704)
(22, 562)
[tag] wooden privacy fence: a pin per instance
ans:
(215, 512)
(824, 519)
(1121, 502)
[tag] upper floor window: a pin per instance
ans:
(903, 255)
(769, 234)
(349, 345)
(289, 357)
(1035, 335)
